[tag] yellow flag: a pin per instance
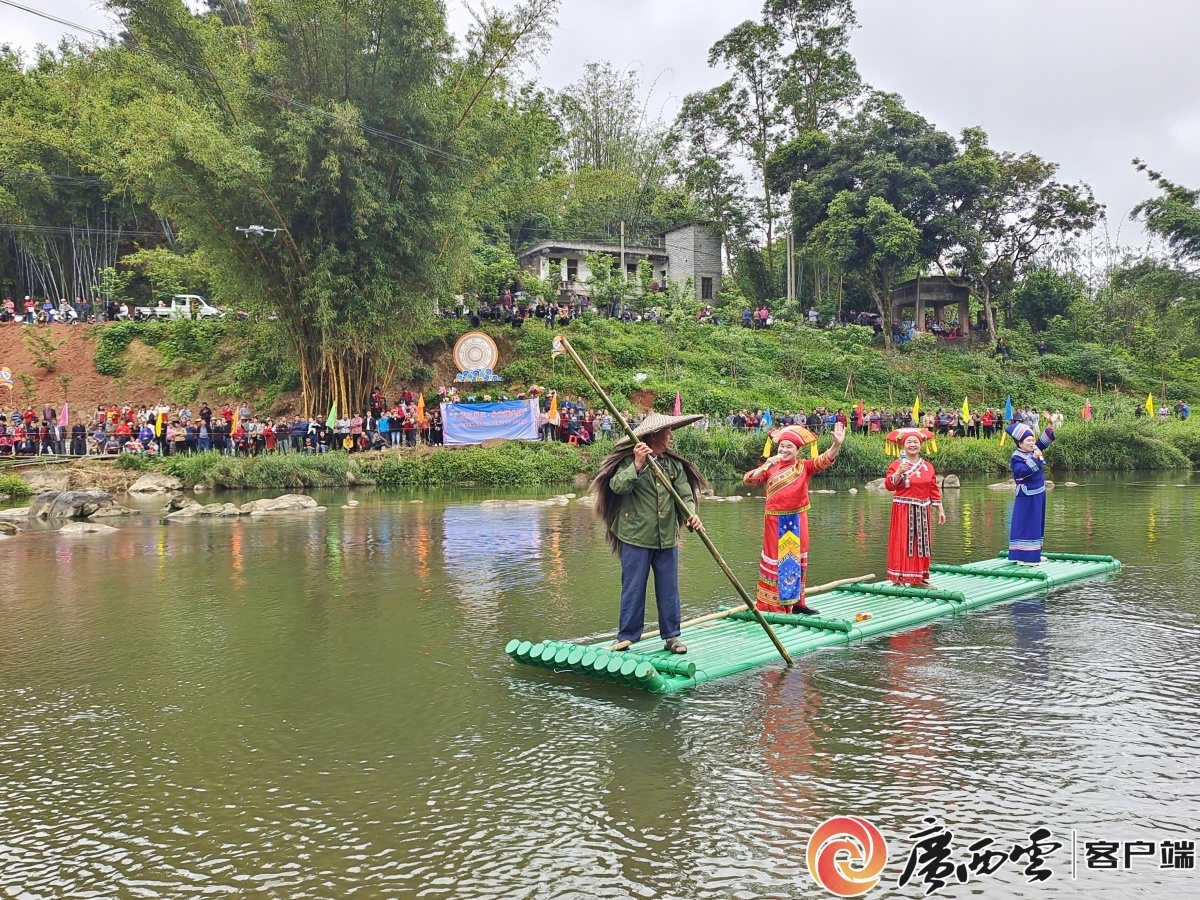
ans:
(767, 449)
(554, 410)
(917, 412)
(966, 411)
(1149, 404)
(158, 425)
(421, 410)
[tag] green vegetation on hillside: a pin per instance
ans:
(717, 368)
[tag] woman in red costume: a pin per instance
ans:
(914, 485)
(784, 561)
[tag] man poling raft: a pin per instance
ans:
(641, 523)
(562, 345)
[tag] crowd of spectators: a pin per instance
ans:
(166, 430)
(234, 431)
(32, 312)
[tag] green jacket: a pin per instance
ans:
(648, 517)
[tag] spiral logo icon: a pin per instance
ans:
(846, 855)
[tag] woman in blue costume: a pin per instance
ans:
(1028, 529)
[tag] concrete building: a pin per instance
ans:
(690, 251)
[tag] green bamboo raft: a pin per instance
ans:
(736, 643)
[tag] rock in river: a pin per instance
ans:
(286, 503)
(155, 483)
(74, 528)
(72, 504)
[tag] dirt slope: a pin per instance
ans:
(74, 359)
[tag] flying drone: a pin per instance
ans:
(257, 230)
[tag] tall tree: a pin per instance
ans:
(352, 126)
(1175, 216)
(878, 197)
(750, 112)
(704, 164)
(61, 223)
(1011, 210)
(605, 164)
(820, 79)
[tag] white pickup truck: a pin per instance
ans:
(182, 306)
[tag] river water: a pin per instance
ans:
(321, 707)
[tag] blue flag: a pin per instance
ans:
(1008, 410)
(767, 420)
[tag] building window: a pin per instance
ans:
(556, 268)
(631, 270)
(706, 292)
(572, 270)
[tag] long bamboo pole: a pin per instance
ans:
(679, 504)
(725, 613)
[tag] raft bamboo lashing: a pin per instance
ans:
(736, 641)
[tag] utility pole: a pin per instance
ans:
(623, 276)
(621, 300)
(791, 267)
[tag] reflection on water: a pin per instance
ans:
(317, 707)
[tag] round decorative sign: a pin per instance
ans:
(475, 350)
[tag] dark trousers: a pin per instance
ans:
(636, 564)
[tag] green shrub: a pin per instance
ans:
(1118, 446)
(720, 455)
(1183, 436)
(14, 486)
(1085, 364)
(132, 462)
(275, 470)
(513, 464)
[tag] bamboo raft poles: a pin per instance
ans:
(733, 641)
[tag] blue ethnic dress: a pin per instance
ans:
(1027, 532)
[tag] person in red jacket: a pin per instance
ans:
(784, 561)
(988, 421)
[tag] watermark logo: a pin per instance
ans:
(846, 855)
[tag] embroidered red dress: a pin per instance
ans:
(910, 544)
(784, 560)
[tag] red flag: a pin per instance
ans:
(678, 405)
(860, 412)
(1087, 410)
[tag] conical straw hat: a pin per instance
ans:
(657, 422)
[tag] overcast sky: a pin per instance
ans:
(1086, 84)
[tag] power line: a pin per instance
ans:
(82, 230)
(31, 175)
